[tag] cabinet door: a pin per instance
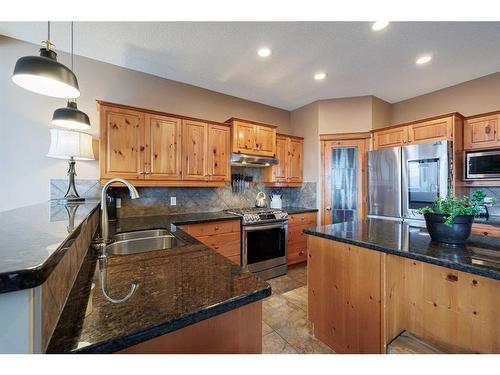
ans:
(163, 148)
(295, 150)
(243, 137)
(265, 141)
(194, 150)
(218, 152)
(481, 132)
(431, 130)
(390, 138)
(279, 172)
(122, 144)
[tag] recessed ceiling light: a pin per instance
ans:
(264, 52)
(319, 76)
(424, 59)
(379, 25)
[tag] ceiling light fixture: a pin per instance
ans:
(264, 52)
(320, 76)
(71, 117)
(423, 59)
(379, 25)
(44, 74)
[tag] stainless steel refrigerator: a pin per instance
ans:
(403, 179)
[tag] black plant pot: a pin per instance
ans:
(457, 234)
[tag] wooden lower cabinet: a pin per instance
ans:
(297, 239)
(360, 300)
(221, 236)
(235, 332)
(486, 229)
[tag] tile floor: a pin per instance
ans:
(285, 328)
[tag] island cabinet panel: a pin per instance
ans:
(194, 150)
(344, 286)
(482, 132)
(163, 147)
(235, 332)
(454, 310)
(219, 148)
(122, 144)
(297, 239)
(221, 236)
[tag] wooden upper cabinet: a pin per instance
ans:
(253, 138)
(219, 148)
(194, 150)
(481, 132)
(289, 152)
(122, 143)
(431, 130)
(265, 140)
(392, 137)
(295, 160)
(163, 147)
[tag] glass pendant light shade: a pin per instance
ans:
(45, 75)
(70, 117)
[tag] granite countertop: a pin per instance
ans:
(298, 210)
(176, 287)
(480, 255)
(33, 240)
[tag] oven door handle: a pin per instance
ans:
(282, 224)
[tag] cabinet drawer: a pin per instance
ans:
(297, 252)
(227, 244)
(486, 230)
(296, 234)
(208, 229)
(306, 219)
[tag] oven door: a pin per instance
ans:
(482, 165)
(264, 246)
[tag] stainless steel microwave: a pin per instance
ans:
(482, 165)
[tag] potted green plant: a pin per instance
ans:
(449, 220)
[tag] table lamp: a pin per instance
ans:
(70, 145)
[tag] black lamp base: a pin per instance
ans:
(71, 196)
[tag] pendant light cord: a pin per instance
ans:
(71, 45)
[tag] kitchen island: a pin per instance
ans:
(371, 280)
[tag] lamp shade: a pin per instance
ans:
(45, 75)
(70, 117)
(65, 144)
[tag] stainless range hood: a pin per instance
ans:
(242, 160)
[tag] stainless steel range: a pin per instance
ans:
(264, 240)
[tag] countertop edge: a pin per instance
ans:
(164, 328)
(443, 263)
(35, 276)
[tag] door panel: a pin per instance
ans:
(218, 152)
(194, 150)
(390, 138)
(122, 143)
(481, 133)
(245, 137)
(163, 146)
(430, 130)
(280, 170)
(295, 151)
(265, 140)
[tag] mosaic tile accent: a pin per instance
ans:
(88, 189)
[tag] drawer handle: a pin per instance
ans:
(485, 233)
(302, 252)
(453, 278)
(216, 228)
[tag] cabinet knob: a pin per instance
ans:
(142, 148)
(328, 208)
(302, 252)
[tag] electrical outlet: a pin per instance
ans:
(118, 203)
(173, 201)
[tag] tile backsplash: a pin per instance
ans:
(156, 200)
(493, 192)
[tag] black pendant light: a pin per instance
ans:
(71, 117)
(45, 75)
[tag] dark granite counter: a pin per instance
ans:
(176, 287)
(33, 240)
(480, 255)
(298, 210)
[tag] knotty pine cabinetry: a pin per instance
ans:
(253, 138)
(154, 149)
(441, 128)
(289, 171)
(222, 236)
(297, 239)
(482, 132)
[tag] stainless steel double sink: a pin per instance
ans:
(142, 241)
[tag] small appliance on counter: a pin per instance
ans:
(260, 200)
(276, 201)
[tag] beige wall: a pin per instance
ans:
(381, 113)
(345, 115)
(25, 117)
(469, 98)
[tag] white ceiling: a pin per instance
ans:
(221, 56)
